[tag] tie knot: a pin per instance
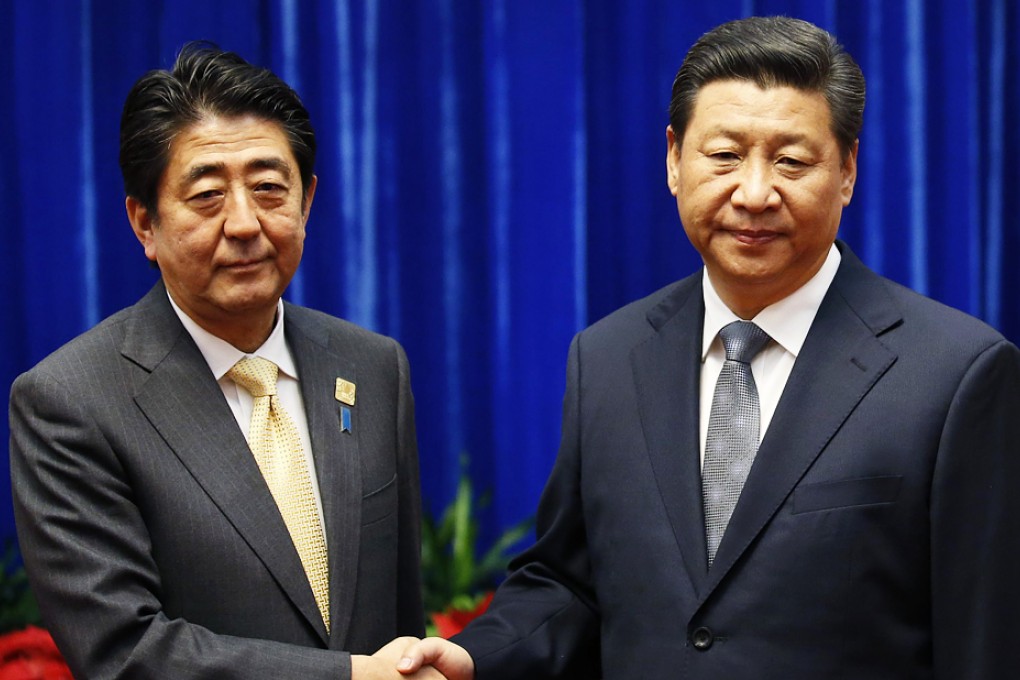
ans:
(255, 374)
(743, 340)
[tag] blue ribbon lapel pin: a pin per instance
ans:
(345, 393)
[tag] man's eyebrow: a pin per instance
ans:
(270, 163)
(199, 171)
(739, 135)
(267, 163)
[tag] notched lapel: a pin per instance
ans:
(840, 362)
(667, 369)
(337, 462)
(186, 406)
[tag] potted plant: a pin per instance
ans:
(27, 652)
(458, 581)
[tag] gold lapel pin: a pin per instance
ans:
(345, 391)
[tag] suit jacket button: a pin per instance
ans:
(702, 638)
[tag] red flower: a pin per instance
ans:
(451, 621)
(31, 654)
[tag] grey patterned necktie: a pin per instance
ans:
(733, 429)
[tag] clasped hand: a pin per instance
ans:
(408, 658)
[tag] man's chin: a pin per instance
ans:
(750, 264)
(245, 300)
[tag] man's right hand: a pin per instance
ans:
(450, 659)
(383, 664)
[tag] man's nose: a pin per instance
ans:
(756, 191)
(241, 220)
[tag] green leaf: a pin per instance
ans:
(453, 574)
(18, 607)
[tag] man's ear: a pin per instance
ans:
(306, 200)
(849, 174)
(672, 160)
(142, 223)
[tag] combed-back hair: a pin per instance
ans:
(204, 81)
(774, 52)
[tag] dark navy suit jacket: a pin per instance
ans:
(877, 536)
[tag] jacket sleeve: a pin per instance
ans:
(89, 559)
(410, 620)
(975, 524)
(543, 621)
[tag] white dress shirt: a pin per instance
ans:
(221, 356)
(787, 322)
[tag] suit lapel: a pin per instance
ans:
(840, 362)
(667, 369)
(184, 403)
(337, 463)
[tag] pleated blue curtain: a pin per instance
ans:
(492, 179)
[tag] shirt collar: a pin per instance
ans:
(221, 355)
(787, 321)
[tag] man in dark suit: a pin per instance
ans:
(157, 544)
(876, 535)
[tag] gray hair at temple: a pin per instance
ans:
(774, 52)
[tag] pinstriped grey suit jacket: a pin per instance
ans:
(151, 540)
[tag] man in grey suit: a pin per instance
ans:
(156, 543)
(875, 535)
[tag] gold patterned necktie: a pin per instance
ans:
(273, 439)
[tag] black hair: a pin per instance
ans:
(772, 52)
(204, 80)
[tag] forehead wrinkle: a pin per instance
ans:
(201, 170)
(780, 136)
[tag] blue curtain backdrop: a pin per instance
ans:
(492, 179)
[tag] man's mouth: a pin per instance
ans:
(753, 237)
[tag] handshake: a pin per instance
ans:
(408, 658)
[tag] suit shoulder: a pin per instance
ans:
(641, 317)
(333, 330)
(941, 325)
(907, 321)
(93, 347)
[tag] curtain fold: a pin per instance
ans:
(492, 179)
